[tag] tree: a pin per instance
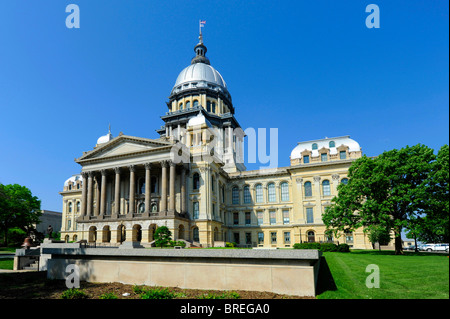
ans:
(18, 208)
(379, 234)
(386, 191)
(162, 236)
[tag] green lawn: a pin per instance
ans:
(413, 275)
(7, 263)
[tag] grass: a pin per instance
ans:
(413, 275)
(7, 263)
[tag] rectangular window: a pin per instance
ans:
(284, 192)
(69, 224)
(309, 215)
(324, 157)
(235, 218)
(306, 159)
(287, 237)
(342, 154)
(286, 217)
(273, 237)
(248, 238)
(196, 210)
(235, 196)
(271, 192)
(236, 238)
(248, 218)
(260, 218)
(273, 217)
(259, 193)
(260, 238)
(214, 211)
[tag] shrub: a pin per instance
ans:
(108, 295)
(328, 247)
(225, 295)
(74, 293)
(232, 245)
(343, 248)
(307, 246)
(174, 243)
(163, 236)
(157, 293)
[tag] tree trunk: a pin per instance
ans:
(398, 242)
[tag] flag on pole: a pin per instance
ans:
(202, 23)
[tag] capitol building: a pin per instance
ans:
(192, 179)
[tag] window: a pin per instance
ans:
(214, 211)
(326, 188)
(286, 216)
(311, 237)
(308, 189)
(248, 218)
(196, 181)
(273, 237)
(314, 146)
(223, 194)
(70, 187)
(287, 237)
(236, 238)
(141, 208)
(344, 181)
(248, 238)
(141, 186)
(342, 154)
(213, 107)
(309, 215)
(70, 207)
(324, 157)
(260, 218)
(181, 106)
(195, 103)
(208, 106)
(195, 234)
(235, 218)
(273, 217)
(78, 207)
(188, 104)
(235, 195)
(247, 195)
(153, 184)
(348, 237)
(69, 224)
(260, 238)
(213, 182)
(259, 193)
(195, 210)
(271, 192)
(284, 192)
(332, 144)
(78, 186)
(306, 159)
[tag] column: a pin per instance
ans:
(89, 194)
(103, 194)
(163, 204)
(84, 194)
(132, 189)
(172, 187)
(147, 187)
(183, 189)
(117, 191)
(97, 195)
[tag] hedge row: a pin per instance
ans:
(344, 248)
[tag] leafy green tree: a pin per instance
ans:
(18, 208)
(386, 191)
(163, 236)
(379, 234)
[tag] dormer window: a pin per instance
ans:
(315, 146)
(342, 155)
(324, 157)
(306, 159)
(332, 144)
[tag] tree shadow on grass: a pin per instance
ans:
(325, 280)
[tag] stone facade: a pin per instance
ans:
(192, 179)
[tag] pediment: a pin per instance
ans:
(123, 145)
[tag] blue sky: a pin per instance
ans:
(309, 68)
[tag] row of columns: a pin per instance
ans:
(88, 185)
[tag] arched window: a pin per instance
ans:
(70, 187)
(181, 106)
(213, 107)
(195, 103)
(188, 104)
(344, 181)
(271, 192)
(196, 181)
(208, 106)
(326, 188)
(247, 195)
(308, 189)
(332, 144)
(235, 195)
(314, 146)
(284, 192)
(70, 207)
(311, 237)
(141, 208)
(259, 193)
(195, 235)
(78, 207)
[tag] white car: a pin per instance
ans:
(434, 247)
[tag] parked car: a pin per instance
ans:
(434, 247)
